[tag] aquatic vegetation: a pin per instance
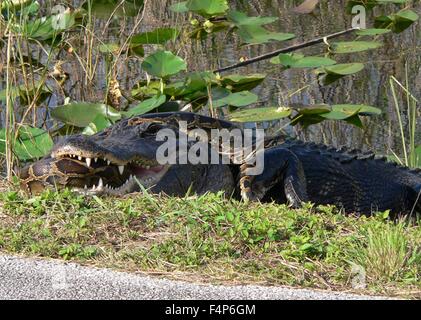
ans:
(37, 40)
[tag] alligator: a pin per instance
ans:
(122, 159)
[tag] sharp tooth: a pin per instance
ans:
(121, 169)
(86, 187)
(93, 187)
(95, 159)
(108, 162)
(100, 183)
(88, 161)
(80, 158)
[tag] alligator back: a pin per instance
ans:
(358, 182)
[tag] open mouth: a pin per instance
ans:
(109, 177)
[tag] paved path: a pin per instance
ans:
(25, 278)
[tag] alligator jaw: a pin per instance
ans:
(112, 177)
(140, 177)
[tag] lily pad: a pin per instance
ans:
(81, 114)
(179, 7)
(372, 32)
(354, 46)
(344, 111)
(208, 8)
(251, 31)
(237, 99)
(299, 61)
(146, 89)
(344, 69)
(103, 9)
(163, 64)
(398, 21)
(30, 143)
(338, 71)
(239, 82)
(260, 114)
(157, 36)
(312, 109)
(146, 106)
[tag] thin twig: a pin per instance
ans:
(284, 50)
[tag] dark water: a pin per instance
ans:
(370, 86)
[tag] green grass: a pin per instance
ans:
(213, 239)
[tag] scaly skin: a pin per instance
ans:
(119, 159)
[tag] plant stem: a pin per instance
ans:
(9, 124)
(398, 113)
(285, 50)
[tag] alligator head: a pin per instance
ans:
(122, 158)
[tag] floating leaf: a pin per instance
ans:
(30, 143)
(306, 120)
(208, 8)
(354, 46)
(179, 7)
(218, 93)
(237, 99)
(146, 106)
(105, 8)
(81, 114)
(398, 21)
(299, 61)
(368, 110)
(341, 112)
(372, 32)
(344, 111)
(195, 83)
(238, 82)
(355, 120)
(404, 19)
(337, 71)
(145, 88)
(157, 36)
(163, 64)
(251, 31)
(241, 19)
(260, 114)
(312, 109)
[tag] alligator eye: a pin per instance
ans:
(153, 129)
